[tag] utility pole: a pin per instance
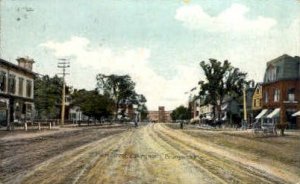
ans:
(63, 65)
(245, 107)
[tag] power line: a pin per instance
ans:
(64, 64)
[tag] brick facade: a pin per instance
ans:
(286, 105)
(160, 116)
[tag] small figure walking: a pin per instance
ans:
(181, 124)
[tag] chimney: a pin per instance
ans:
(25, 62)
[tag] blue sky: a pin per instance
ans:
(159, 43)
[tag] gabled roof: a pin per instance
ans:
(259, 84)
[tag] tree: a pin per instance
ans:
(47, 92)
(180, 113)
(144, 112)
(142, 108)
(221, 79)
(92, 104)
(120, 88)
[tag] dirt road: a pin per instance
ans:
(157, 153)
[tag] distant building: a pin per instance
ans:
(160, 116)
(257, 98)
(153, 116)
(194, 107)
(205, 112)
(76, 114)
(281, 91)
(231, 110)
(126, 111)
(16, 91)
(249, 105)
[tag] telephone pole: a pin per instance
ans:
(64, 64)
(245, 107)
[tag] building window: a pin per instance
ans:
(266, 97)
(291, 94)
(2, 81)
(21, 84)
(29, 88)
(12, 84)
(276, 95)
(256, 103)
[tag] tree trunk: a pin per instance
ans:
(219, 111)
(282, 131)
(117, 109)
(214, 111)
(220, 108)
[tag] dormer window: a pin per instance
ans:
(272, 74)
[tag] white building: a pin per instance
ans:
(206, 112)
(75, 114)
(16, 91)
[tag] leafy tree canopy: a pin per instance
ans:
(47, 92)
(221, 79)
(92, 104)
(181, 113)
(121, 89)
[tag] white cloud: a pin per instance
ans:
(89, 60)
(248, 43)
(232, 19)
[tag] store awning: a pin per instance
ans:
(261, 114)
(296, 114)
(274, 113)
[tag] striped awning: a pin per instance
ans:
(296, 114)
(274, 113)
(261, 114)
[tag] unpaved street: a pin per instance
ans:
(157, 153)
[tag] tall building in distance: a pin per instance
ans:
(160, 116)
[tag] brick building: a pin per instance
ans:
(281, 90)
(194, 107)
(160, 116)
(153, 116)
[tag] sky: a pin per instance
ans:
(158, 43)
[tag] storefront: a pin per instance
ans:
(3, 111)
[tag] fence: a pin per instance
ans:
(40, 124)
